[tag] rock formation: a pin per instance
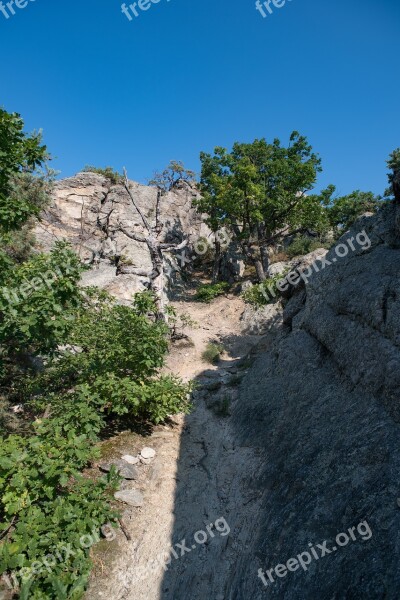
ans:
(90, 212)
(323, 407)
(311, 452)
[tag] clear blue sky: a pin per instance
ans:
(188, 75)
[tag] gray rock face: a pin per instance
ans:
(323, 407)
(316, 437)
(257, 321)
(88, 211)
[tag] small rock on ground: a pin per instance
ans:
(148, 453)
(131, 497)
(132, 460)
(124, 469)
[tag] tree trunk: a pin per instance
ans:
(264, 258)
(217, 262)
(260, 270)
(157, 277)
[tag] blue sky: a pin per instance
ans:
(188, 75)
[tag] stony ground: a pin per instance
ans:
(194, 481)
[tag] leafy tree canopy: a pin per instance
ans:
(394, 176)
(19, 153)
(260, 190)
(345, 210)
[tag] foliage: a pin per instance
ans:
(38, 301)
(173, 174)
(394, 176)
(177, 323)
(46, 508)
(107, 172)
(33, 190)
(345, 210)
(259, 189)
(107, 366)
(302, 245)
(212, 353)
(19, 153)
(207, 292)
(265, 292)
(111, 360)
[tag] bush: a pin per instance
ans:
(47, 507)
(259, 295)
(108, 172)
(112, 360)
(208, 292)
(304, 245)
(212, 353)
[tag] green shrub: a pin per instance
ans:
(107, 367)
(259, 295)
(46, 509)
(208, 292)
(304, 245)
(115, 369)
(108, 172)
(212, 353)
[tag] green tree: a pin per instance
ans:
(345, 210)
(260, 191)
(394, 176)
(19, 153)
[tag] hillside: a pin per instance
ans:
(294, 439)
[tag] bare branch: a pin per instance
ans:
(133, 236)
(170, 247)
(126, 186)
(129, 270)
(159, 196)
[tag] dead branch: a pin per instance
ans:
(126, 186)
(129, 270)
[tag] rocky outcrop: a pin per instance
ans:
(89, 212)
(323, 407)
(307, 472)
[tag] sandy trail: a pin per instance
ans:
(194, 480)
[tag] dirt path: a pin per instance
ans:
(194, 482)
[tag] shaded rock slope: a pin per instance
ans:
(314, 446)
(323, 405)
